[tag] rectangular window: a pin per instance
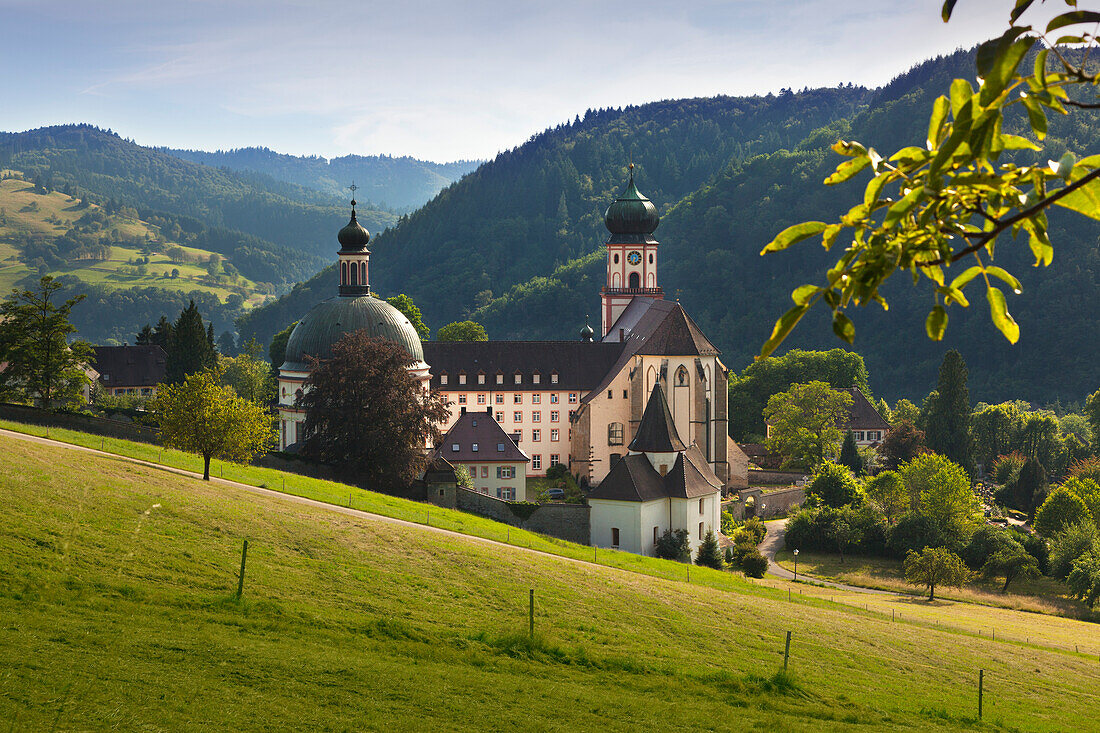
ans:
(500, 449)
(517, 417)
(536, 462)
(700, 530)
(507, 493)
(572, 398)
(517, 437)
(462, 399)
(535, 378)
(554, 378)
(858, 435)
(499, 416)
(615, 459)
(553, 435)
(655, 535)
(553, 398)
(610, 394)
(517, 398)
(614, 536)
(536, 435)
(554, 459)
(506, 471)
(454, 447)
(500, 379)
(481, 379)
(462, 379)
(571, 413)
(442, 378)
(536, 416)
(473, 447)
(615, 433)
(519, 378)
(701, 505)
(624, 394)
(554, 416)
(499, 399)
(481, 399)
(484, 472)
(536, 399)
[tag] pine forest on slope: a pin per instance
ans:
(517, 244)
(401, 184)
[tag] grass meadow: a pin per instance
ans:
(118, 610)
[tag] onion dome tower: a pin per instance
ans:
(352, 309)
(631, 253)
(587, 333)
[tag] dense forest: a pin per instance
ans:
(517, 243)
(398, 183)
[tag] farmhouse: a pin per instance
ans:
(497, 466)
(130, 370)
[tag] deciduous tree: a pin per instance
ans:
(804, 422)
(249, 375)
(903, 443)
(1010, 562)
(834, 485)
(367, 416)
(1062, 509)
(886, 493)
(201, 415)
(462, 331)
(409, 309)
(935, 566)
(940, 490)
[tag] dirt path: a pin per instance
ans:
(773, 542)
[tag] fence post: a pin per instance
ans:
(786, 651)
(531, 612)
(240, 580)
(981, 684)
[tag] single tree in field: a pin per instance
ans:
(1061, 510)
(462, 331)
(709, 554)
(935, 566)
(947, 429)
(367, 416)
(249, 375)
(190, 346)
(803, 422)
(42, 365)
(1084, 579)
(937, 209)
(201, 415)
(1010, 562)
(903, 443)
(410, 310)
(849, 454)
(886, 493)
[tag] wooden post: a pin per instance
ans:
(981, 684)
(240, 580)
(786, 651)
(284, 483)
(531, 612)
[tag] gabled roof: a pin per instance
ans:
(862, 415)
(580, 365)
(677, 335)
(691, 477)
(130, 366)
(480, 429)
(657, 431)
(632, 478)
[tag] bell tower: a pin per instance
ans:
(631, 253)
(354, 267)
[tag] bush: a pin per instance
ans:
(1071, 544)
(755, 529)
(729, 524)
(739, 552)
(557, 472)
(984, 543)
(754, 565)
(709, 554)
(1006, 468)
(1036, 546)
(674, 545)
(816, 530)
(1062, 509)
(913, 532)
(834, 485)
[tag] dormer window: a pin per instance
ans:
(462, 379)
(554, 378)
(442, 378)
(535, 378)
(481, 379)
(473, 448)
(500, 378)
(519, 378)
(500, 447)
(454, 447)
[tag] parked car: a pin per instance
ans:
(555, 494)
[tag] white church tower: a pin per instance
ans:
(631, 253)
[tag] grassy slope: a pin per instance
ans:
(115, 611)
(17, 196)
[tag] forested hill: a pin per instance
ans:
(98, 162)
(541, 205)
(398, 183)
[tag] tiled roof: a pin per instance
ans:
(862, 415)
(579, 365)
(480, 429)
(633, 478)
(130, 366)
(691, 477)
(657, 431)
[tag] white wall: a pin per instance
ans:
(626, 515)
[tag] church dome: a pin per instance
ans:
(354, 236)
(328, 321)
(632, 213)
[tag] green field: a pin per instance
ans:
(117, 610)
(27, 213)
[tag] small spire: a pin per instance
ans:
(631, 166)
(353, 188)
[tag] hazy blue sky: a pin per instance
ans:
(434, 79)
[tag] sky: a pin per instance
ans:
(436, 79)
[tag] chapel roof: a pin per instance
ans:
(633, 478)
(657, 431)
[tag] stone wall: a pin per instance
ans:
(758, 477)
(766, 504)
(122, 429)
(565, 521)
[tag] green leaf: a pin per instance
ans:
(843, 327)
(1040, 69)
(936, 323)
(874, 188)
(909, 155)
(1073, 18)
(1002, 319)
(803, 293)
(847, 169)
(1004, 67)
(1015, 142)
(1084, 200)
(953, 295)
(783, 327)
(829, 235)
(1003, 275)
(793, 234)
(1020, 9)
(961, 93)
(935, 124)
(902, 207)
(849, 148)
(1036, 116)
(964, 279)
(1040, 247)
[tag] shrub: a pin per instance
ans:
(1062, 509)
(739, 551)
(1084, 579)
(985, 542)
(729, 556)
(1006, 468)
(834, 485)
(557, 472)
(674, 545)
(1036, 546)
(729, 524)
(709, 554)
(754, 565)
(913, 532)
(1071, 544)
(755, 529)
(857, 530)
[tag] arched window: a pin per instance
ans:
(354, 274)
(649, 279)
(615, 280)
(363, 272)
(635, 281)
(651, 258)
(343, 273)
(681, 377)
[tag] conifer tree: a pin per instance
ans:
(161, 332)
(190, 346)
(849, 454)
(709, 554)
(947, 429)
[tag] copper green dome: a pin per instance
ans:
(354, 236)
(632, 213)
(328, 321)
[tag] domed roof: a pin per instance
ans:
(353, 236)
(328, 321)
(632, 213)
(587, 333)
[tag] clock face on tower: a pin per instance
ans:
(634, 258)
